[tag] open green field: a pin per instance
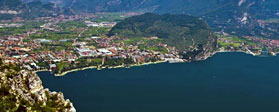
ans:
(234, 41)
(110, 17)
(95, 31)
(158, 49)
(227, 44)
(70, 30)
(19, 30)
(273, 20)
(143, 39)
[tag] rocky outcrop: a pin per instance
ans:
(22, 90)
(208, 49)
(245, 18)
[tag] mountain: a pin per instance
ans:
(22, 91)
(103, 5)
(10, 4)
(186, 33)
(60, 3)
(10, 9)
(237, 17)
(246, 18)
(170, 6)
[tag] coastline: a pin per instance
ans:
(213, 69)
(148, 63)
(246, 52)
(113, 67)
(74, 70)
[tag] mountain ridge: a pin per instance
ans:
(229, 16)
(22, 90)
(26, 10)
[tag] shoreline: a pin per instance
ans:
(74, 70)
(113, 67)
(138, 65)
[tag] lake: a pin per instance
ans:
(227, 82)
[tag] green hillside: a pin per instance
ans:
(181, 31)
(28, 10)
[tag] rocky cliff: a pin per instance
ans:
(22, 91)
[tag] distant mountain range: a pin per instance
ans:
(237, 17)
(60, 3)
(26, 10)
(245, 18)
(193, 7)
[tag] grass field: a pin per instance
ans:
(233, 41)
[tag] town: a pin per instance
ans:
(81, 44)
(251, 45)
(66, 43)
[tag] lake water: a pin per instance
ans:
(227, 82)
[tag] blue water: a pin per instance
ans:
(227, 82)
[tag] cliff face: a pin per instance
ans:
(21, 90)
(209, 49)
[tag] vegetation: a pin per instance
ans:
(158, 49)
(95, 31)
(233, 41)
(215, 12)
(181, 31)
(272, 20)
(19, 30)
(110, 17)
(69, 25)
(27, 10)
(12, 100)
(69, 30)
